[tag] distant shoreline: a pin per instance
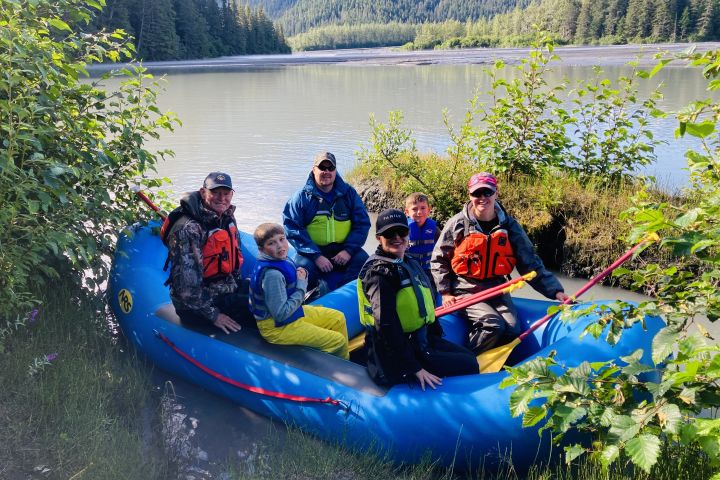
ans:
(611, 55)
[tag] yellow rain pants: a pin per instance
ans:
(321, 328)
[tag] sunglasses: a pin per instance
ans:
(393, 232)
(326, 168)
(482, 192)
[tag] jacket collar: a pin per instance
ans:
(192, 204)
(339, 187)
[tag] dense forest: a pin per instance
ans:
(298, 16)
(189, 29)
(319, 24)
(608, 21)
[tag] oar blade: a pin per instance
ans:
(493, 360)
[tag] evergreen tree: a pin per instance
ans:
(582, 29)
(155, 30)
(662, 24)
(707, 22)
(192, 30)
(685, 24)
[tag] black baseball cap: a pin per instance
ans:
(217, 179)
(390, 218)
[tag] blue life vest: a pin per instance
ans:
(422, 241)
(257, 296)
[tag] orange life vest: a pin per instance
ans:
(221, 252)
(482, 255)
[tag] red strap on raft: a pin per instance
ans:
(234, 383)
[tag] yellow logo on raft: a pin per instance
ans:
(125, 300)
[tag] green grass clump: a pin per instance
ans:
(79, 413)
(292, 454)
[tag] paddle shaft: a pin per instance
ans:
(150, 204)
(478, 297)
(587, 286)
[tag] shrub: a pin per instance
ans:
(70, 149)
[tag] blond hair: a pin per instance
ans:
(265, 231)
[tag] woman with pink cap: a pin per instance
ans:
(478, 249)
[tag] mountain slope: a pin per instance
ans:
(301, 15)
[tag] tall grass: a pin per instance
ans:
(295, 455)
(79, 414)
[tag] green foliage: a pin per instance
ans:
(353, 36)
(614, 138)
(605, 22)
(303, 15)
(70, 149)
(191, 29)
(393, 154)
(526, 128)
(523, 129)
(628, 416)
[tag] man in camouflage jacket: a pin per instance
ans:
(201, 297)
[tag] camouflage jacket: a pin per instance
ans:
(188, 290)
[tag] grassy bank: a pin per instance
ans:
(74, 403)
(298, 456)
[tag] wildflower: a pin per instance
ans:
(52, 356)
(32, 315)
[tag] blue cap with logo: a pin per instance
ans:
(217, 179)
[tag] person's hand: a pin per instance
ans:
(341, 258)
(226, 324)
(324, 264)
(301, 273)
(562, 297)
(448, 300)
(427, 378)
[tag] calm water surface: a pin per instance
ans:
(263, 125)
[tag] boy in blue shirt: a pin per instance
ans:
(423, 229)
(277, 291)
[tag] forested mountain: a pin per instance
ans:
(609, 21)
(297, 16)
(189, 29)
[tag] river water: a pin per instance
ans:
(263, 120)
(263, 124)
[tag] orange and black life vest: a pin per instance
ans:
(484, 255)
(221, 251)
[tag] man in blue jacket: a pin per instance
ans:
(327, 223)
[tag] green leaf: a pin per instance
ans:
(700, 130)
(572, 452)
(669, 417)
(519, 400)
(663, 344)
(623, 428)
(533, 415)
(608, 455)
(59, 24)
(644, 451)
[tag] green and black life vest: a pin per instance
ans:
(414, 301)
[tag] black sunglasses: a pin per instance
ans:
(326, 168)
(483, 192)
(403, 232)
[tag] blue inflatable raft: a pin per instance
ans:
(465, 422)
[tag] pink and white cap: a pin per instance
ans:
(482, 180)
